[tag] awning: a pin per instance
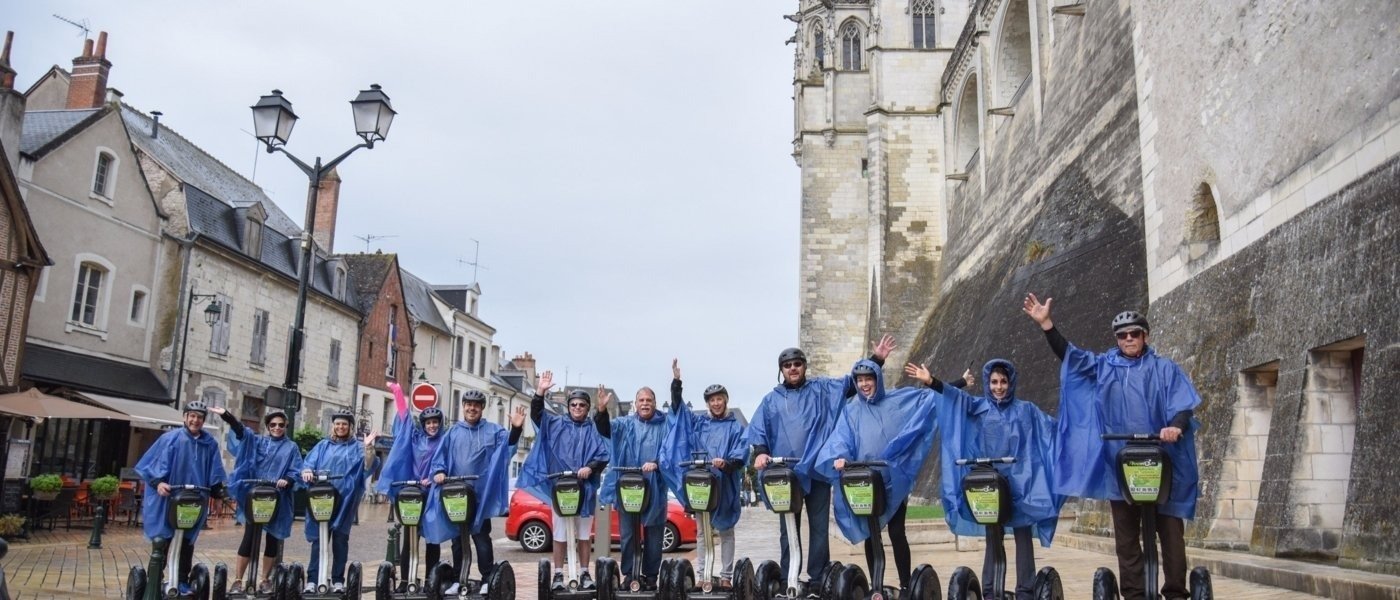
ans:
(143, 414)
(33, 403)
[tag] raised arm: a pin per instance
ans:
(517, 425)
(542, 386)
(234, 424)
(400, 402)
(601, 420)
(677, 399)
(1040, 313)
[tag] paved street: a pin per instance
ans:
(58, 564)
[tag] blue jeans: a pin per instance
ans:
(817, 505)
(485, 555)
(340, 549)
(651, 545)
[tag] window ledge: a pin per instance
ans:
(217, 356)
(257, 366)
(100, 198)
(74, 326)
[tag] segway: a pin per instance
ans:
(784, 494)
(701, 494)
(1145, 478)
(408, 513)
(458, 497)
(634, 498)
(567, 503)
(322, 502)
(863, 487)
(186, 505)
(988, 497)
(262, 505)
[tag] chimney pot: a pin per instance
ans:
(155, 124)
(5, 55)
(102, 45)
(87, 48)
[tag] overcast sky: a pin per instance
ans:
(625, 165)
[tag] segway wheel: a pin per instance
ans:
(1047, 585)
(501, 583)
(827, 581)
(684, 579)
(1105, 585)
(354, 580)
(219, 587)
(199, 582)
(923, 584)
(546, 570)
(384, 581)
(1201, 588)
(768, 580)
(963, 585)
(136, 583)
(744, 588)
(279, 576)
(851, 584)
(293, 582)
(439, 579)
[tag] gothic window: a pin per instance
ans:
(922, 11)
(819, 45)
(851, 50)
(88, 294)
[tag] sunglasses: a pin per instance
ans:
(276, 425)
(578, 405)
(792, 364)
(1134, 334)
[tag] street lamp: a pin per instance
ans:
(211, 316)
(273, 120)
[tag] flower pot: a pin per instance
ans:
(45, 496)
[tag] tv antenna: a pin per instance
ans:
(370, 237)
(83, 25)
(475, 262)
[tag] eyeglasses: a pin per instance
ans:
(792, 364)
(276, 425)
(1133, 334)
(578, 405)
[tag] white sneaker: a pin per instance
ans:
(310, 588)
(452, 590)
(337, 588)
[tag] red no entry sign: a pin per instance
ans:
(424, 396)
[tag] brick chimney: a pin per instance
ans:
(11, 107)
(525, 362)
(88, 88)
(327, 202)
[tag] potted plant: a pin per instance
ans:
(104, 487)
(46, 486)
(11, 526)
(306, 438)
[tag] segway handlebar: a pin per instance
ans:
(627, 469)
(782, 461)
(561, 474)
(985, 461)
(1131, 437)
(188, 486)
(325, 476)
(452, 478)
(856, 464)
(406, 482)
(257, 481)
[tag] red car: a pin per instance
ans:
(530, 519)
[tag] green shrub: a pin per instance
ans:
(104, 486)
(48, 482)
(11, 525)
(307, 437)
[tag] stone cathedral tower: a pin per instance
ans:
(868, 136)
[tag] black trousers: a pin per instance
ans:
(1127, 537)
(899, 542)
(270, 544)
(1025, 565)
(431, 553)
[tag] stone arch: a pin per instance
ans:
(818, 44)
(967, 133)
(852, 43)
(1013, 52)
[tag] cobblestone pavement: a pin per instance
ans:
(58, 564)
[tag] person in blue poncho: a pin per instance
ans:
(274, 457)
(792, 421)
(343, 455)
(184, 456)
(719, 435)
(414, 446)
(473, 446)
(567, 443)
(636, 442)
(870, 428)
(994, 425)
(1129, 389)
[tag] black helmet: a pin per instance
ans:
(715, 389)
(196, 407)
(343, 414)
(863, 369)
(474, 396)
(428, 414)
(1130, 318)
(580, 395)
(791, 354)
(267, 418)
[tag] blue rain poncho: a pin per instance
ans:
(264, 457)
(793, 422)
(177, 458)
(483, 450)
(982, 427)
(635, 442)
(717, 437)
(338, 457)
(562, 444)
(870, 429)
(1112, 393)
(412, 451)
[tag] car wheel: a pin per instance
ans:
(671, 539)
(535, 536)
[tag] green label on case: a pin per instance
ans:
(263, 509)
(456, 507)
(1144, 479)
(410, 510)
(861, 497)
(569, 502)
(985, 504)
(322, 507)
(187, 515)
(632, 497)
(780, 496)
(699, 496)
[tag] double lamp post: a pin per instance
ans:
(272, 125)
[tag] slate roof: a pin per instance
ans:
(456, 295)
(45, 130)
(367, 272)
(418, 297)
(223, 224)
(514, 382)
(92, 374)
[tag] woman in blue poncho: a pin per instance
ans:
(994, 425)
(414, 445)
(343, 455)
(273, 457)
